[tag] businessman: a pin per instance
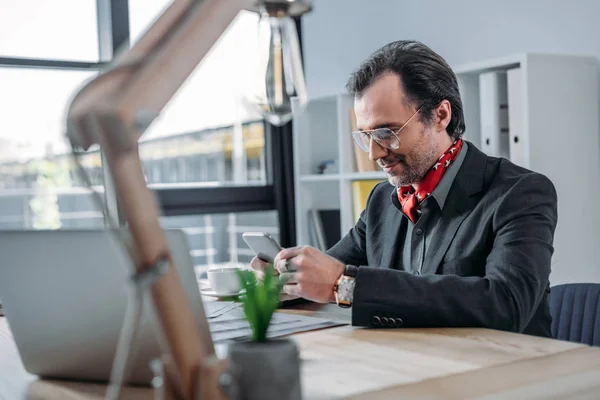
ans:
(459, 239)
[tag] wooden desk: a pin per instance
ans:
(387, 363)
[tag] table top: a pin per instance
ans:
(348, 362)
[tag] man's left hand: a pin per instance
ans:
(308, 273)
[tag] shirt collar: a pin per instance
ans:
(440, 193)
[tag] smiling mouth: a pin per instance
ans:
(389, 166)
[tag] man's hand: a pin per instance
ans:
(259, 266)
(308, 273)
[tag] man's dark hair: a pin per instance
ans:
(426, 79)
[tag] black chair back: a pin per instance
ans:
(575, 310)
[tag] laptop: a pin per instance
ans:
(64, 293)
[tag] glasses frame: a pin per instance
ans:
(356, 135)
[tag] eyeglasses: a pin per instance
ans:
(385, 137)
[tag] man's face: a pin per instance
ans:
(383, 105)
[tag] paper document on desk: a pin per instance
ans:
(232, 325)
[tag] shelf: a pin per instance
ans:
(502, 63)
(355, 176)
(319, 178)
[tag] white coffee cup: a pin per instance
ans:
(224, 281)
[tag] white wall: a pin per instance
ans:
(339, 34)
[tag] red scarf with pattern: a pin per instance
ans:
(410, 199)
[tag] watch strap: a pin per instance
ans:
(351, 271)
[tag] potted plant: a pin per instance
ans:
(262, 368)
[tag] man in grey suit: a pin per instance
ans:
(459, 240)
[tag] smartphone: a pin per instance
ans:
(262, 244)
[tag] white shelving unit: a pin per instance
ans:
(553, 128)
(320, 178)
(322, 131)
(352, 176)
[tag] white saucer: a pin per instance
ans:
(209, 292)
(203, 284)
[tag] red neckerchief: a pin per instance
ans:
(410, 199)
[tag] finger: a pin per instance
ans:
(290, 252)
(280, 266)
(260, 275)
(258, 265)
(289, 277)
(286, 297)
(293, 290)
(284, 266)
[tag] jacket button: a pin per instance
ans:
(399, 321)
(416, 272)
(376, 321)
(391, 321)
(384, 321)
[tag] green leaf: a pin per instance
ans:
(260, 301)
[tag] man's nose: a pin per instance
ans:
(376, 151)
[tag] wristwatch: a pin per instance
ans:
(344, 287)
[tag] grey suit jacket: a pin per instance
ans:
(487, 264)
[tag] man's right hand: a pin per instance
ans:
(259, 267)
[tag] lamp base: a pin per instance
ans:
(167, 384)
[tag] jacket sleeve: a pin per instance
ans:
(505, 298)
(352, 248)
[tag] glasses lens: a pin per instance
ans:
(362, 139)
(386, 138)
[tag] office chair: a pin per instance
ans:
(575, 310)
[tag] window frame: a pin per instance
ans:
(113, 35)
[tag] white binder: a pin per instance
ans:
(516, 118)
(494, 113)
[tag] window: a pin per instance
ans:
(223, 155)
(216, 239)
(205, 134)
(49, 29)
(142, 13)
(34, 102)
(207, 152)
(213, 165)
(39, 188)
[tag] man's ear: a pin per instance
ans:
(443, 115)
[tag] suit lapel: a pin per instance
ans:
(460, 202)
(458, 206)
(391, 229)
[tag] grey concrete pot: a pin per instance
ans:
(263, 371)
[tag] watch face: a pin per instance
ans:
(345, 291)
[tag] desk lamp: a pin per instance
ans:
(117, 106)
